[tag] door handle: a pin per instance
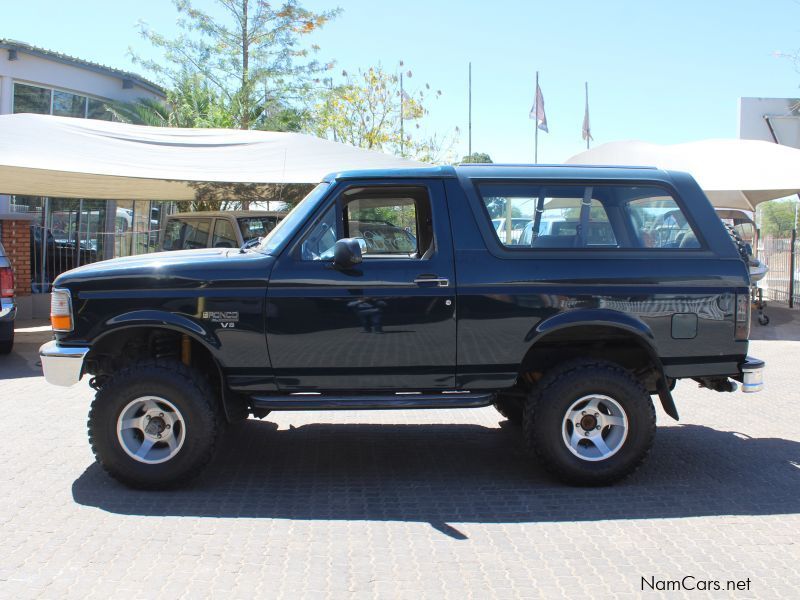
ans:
(439, 281)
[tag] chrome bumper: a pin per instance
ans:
(752, 375)
(62, 365)
(8, 310)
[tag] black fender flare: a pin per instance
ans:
(144, 319)
(604, 317)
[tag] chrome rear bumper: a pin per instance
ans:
(62, 365)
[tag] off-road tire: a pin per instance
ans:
(188, 390)
(549, 402)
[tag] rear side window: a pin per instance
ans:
(598, 216)
(547, 216)
(658, 222)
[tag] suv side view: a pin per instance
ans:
(395, 289)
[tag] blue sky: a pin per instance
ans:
(658, 71)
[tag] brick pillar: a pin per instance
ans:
(16, 238)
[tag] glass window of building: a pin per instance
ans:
(98, 110)
(31, 99)
(68, 105)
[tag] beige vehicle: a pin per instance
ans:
(217, 229)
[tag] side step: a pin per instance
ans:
(314, 401)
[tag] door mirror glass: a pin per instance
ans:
(347, 253)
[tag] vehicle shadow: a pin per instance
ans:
(443, 474)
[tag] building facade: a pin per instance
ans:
(66, 232)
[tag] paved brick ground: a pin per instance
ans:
(404, 504)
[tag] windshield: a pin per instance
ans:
(256, 227)
(286, 228)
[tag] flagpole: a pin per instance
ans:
(402, 110)
(536, 123)
(588, 137)
(469, 146)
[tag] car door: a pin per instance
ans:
(387, 323)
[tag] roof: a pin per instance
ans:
(84, 64)
(507, 171)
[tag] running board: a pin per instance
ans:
(313, 401)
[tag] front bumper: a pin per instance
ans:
(62, 365)
(752, 374)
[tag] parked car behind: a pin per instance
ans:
(8, 307)
(217, 229)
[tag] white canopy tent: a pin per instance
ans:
(733, 173)
(81, 158)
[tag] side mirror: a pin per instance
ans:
(347, 253)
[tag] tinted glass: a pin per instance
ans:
(256, 227)
(318, 243)
(658, 222)
(287, 227)
(31, 99)
(547, 216)
(386, 225)
(224, 235)
(196, 235)
(68, 105)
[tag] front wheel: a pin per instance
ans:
(154, 424)
(590, 423)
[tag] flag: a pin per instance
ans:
(537, 110)
(410, 108)
(587, 130)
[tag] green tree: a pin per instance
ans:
(365, 111)
(249, 59)
(477, 158)
(777, 218)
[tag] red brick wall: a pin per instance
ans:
(16, 238)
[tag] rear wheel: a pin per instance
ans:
(154, 424)
(590, 423)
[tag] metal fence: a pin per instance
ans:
(781, 282)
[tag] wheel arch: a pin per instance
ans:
(143, 337)
(602, 334)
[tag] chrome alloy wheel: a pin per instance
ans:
(151, 430)
(595, 427)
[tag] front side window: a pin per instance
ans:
(386, 225)
(387, 222)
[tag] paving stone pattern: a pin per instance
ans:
(404, 504)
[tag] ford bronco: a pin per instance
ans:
(625, 281)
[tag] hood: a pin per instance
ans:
(206, 267)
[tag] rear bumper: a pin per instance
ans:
(62, 365)
(752, 374)
(8, 309)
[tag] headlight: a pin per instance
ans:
(61, 310)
